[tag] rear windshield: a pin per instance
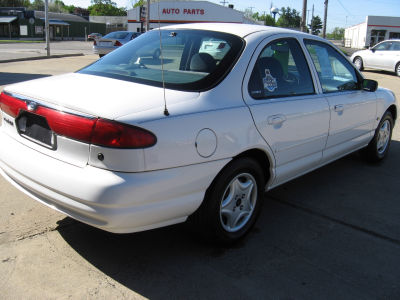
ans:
(116, 35)
(191, 60)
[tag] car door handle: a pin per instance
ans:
(339, 107)
(276, 119)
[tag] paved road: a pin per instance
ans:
(331, 234)
(24, 50)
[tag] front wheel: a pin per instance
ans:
(378, 148)
(233, 202)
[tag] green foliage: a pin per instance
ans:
(37, 5)
(289, 18)
(315, 25)
(105, 8)
(267, 19)
(139, 3)
(336, 34)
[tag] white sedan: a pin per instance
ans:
(188, 135)
(383, 56)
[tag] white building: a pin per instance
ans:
(179, 12)
(374, 30)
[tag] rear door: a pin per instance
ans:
(288, 112)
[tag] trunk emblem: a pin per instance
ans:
(32, 106)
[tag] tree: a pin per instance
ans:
(139, 3)
(105, 8)
(268, 20)
(336, 34)
(37, 5)
(315, 25)
(290, 18)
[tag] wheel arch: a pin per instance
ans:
(393, 110)
(261, 158)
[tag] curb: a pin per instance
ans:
(40, 57)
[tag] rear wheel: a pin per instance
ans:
(358, 62)
(398, 69)
(233, 202)
(379, 146)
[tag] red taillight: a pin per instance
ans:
(221, 45)
(88, 130)
(117, 43)
(94, 42)
(11, 105)
(117, 135)
(68, 125)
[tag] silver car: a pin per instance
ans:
(113, 41)
(383, 56)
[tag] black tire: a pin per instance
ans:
(101, 55)
(243, 208)
(378, 148)
(358, 62)
(397, 69)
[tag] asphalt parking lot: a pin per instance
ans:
(331, 234)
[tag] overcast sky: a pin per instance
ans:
(341, 13)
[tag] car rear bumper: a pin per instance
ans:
(113, 201)
(103, 49)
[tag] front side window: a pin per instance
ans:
(335, 73)
(281, 70)
(189, 60)
(383, 46)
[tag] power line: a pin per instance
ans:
(344, 8)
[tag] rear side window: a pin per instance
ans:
(335, 73)
(281, 70)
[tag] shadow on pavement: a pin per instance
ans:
(9, 78)
(308, 250)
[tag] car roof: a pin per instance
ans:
(241, 30)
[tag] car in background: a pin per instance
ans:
(113, 41)
(216, 48)
(383, 56)
(94, 36)
(185, 136)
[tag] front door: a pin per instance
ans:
(352, 110)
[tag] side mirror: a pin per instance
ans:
(369, 85)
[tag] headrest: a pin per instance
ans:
(202, 62)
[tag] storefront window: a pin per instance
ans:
(394, 35)
(377, 36)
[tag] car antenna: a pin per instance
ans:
(166, 112)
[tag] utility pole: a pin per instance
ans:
(148, 15)
(325, 16)
(46, 26)
(303, 17)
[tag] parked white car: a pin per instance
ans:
(383, 56)
(185, 135)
